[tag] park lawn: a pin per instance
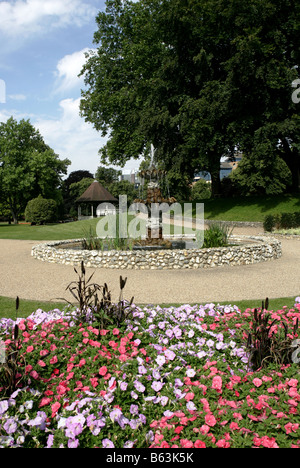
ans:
(61, 231)
(27, 307)
(250, 209)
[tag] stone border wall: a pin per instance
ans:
(253, 249)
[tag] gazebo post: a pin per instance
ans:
(92, 210)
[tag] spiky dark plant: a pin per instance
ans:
(265, 346)
(11, 369)
(95, 301)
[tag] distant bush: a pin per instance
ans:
(201, 190)
(41, 210)
(282, 221)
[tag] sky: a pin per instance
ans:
(42, 51)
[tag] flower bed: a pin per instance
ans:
(176, 377)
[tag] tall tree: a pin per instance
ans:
(197, 78)
(28, 167)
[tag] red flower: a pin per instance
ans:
(199, 444)
(178, 429)
(210, 420)
(103, 370)
(185, 443)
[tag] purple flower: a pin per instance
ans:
(39, 421)
(139, 386)
(123, 386)
(73, 443)
(50, 441)
(10, 426)
(107, 443)
(157, 386)
(170, 354)
(134, 409)
(3, 406)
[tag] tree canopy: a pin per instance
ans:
(198, 79)
(28, 167)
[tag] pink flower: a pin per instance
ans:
(29, 349)
(102, 370)
(199, 444)
(45, 402)
(257, 382)
(185, 443)
(53, 360)
(210, 420)
(55, 407)
(115, 331)
(291, 428)
(189, 396)
(222, 444)
(293, 382)
(217, 383)
(234, 426)
(204, 429)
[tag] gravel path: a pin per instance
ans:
(23, 276)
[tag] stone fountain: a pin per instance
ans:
(154, 198)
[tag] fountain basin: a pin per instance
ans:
(245, 250)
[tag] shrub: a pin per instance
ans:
(282, 221)
(41, 210)
(217, 235)
(269, 223)
(201, 190)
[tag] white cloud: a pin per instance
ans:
(71, 137)
(29, 17)
(67, 71)
(17, 97)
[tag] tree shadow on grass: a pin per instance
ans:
(249, 208)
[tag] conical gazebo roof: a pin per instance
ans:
(96, 193)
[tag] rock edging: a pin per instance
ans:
(254, 249)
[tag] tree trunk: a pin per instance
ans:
(215, 184)
(13, 211)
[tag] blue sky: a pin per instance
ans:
(41, 53)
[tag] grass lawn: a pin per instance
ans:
(251, 209)
(8, 305)
(50, 232)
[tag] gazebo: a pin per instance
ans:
(99, 199)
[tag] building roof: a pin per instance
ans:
(96, 193)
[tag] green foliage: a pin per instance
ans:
(123, 187)
(107, 175)
(41, 211)
(201, 190)
(28, 167)
(197, 79)
(261, 173)
(282, 221)
(217, 235)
